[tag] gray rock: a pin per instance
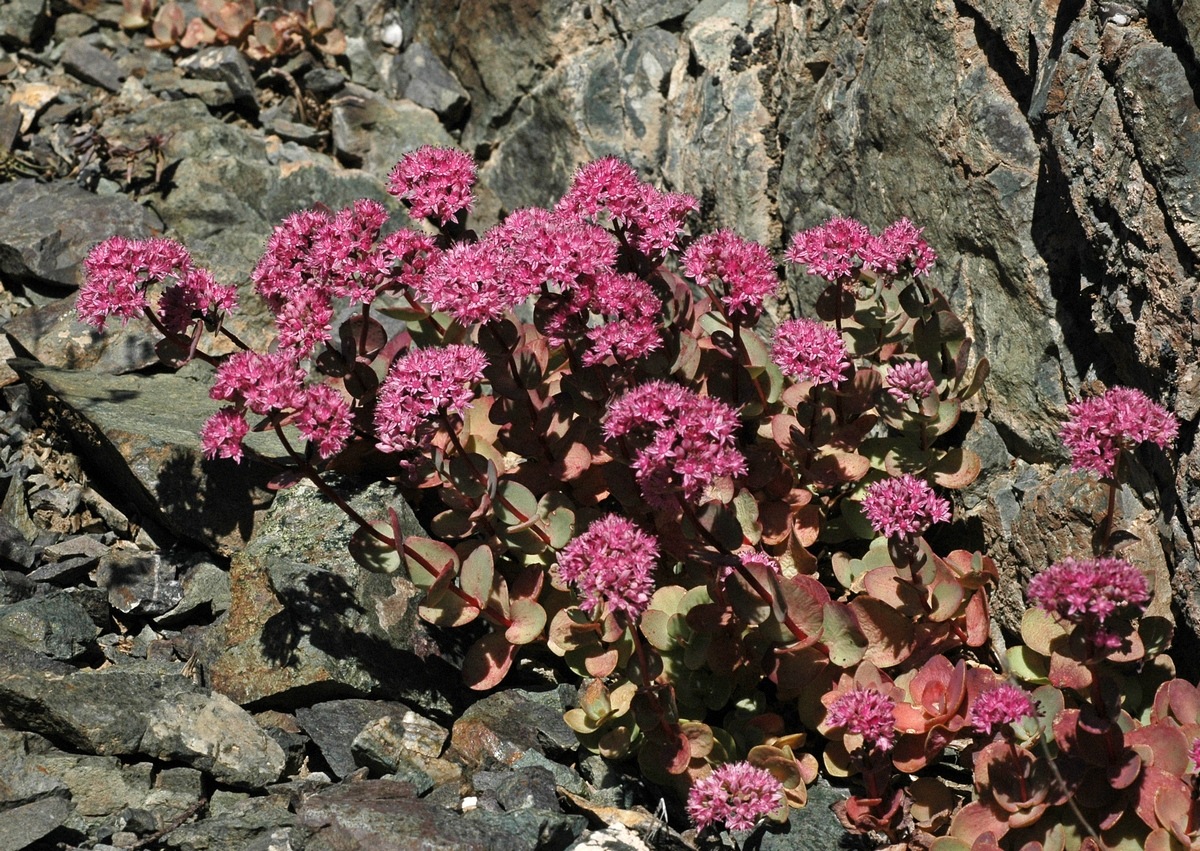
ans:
(22, 22)
(153, 451)
(419, 75)
(384, 815)
(372, 133)
(501, 727)
(138, 582)
(307, 624)
(212, 733)
(206, 592)
(14, 546)
(92, 65)
(54, 625)
(93, 711)
(225, 65)
(323, 81)
(255, 823)
(47, 229)
(334, 725)
(406, 747)
(638, 14)
(15, 587)
(22, 826)
(100, 786)
(139, 708)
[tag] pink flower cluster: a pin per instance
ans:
(904, 506)
(650, 220)
(1004, 704)
(1101, 426)
(688, 441)
(612, 566)
(422, 387)
(899, 245)
(118, 271)
(314, 257)
(835, 249)
(808, 350)
(273, 385)
(736, 794)
(1090, 590)
(865, 712)
(745, 268)
(436, 183)
(910, 380)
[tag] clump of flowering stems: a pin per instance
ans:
(720, 532)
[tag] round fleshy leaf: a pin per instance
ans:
(449, 610)
(477, 574)
(372, 554)
(841, 636)
(515, 504)
(528, 620)
(487, 661)
(580, 722)
(427, 560)
(956, 469)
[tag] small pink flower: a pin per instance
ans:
(632, 310)
(1089, 589)
(612, 566)
(436, 182)
(865, 712)
(910, 380)
(265, 384)
(830, 250)
(652, 221)
(1100, 427)
(421, 387)
(196, 295)
(472, 282)
(737, 794)
(119, 271)
(1194, 753)
(808, 350)
(745, 267)
(325, 418)
(899, 245)
(687, 441)
(1005, 704)
(222, 433)
(904, 506)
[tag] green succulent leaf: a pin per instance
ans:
(372, 554)
(528, 621)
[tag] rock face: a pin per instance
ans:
(1050, 149)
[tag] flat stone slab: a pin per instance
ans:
(143, 433)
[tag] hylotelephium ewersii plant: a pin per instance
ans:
(721, 533)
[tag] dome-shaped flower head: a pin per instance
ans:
(1101, 426)
(910, 380)
(904, 506)
(612, 566)
(652, 220)
(1089, 589)
(222, 433)
(865, 712)
(324, 418)
(685, 441)
(472, 282)
(436, 182)
(266, 384)
(830, 250)
(737, 794)
(745, 267)
(808, 350)
(421, 387)
(899, 245)
(1004, 704)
